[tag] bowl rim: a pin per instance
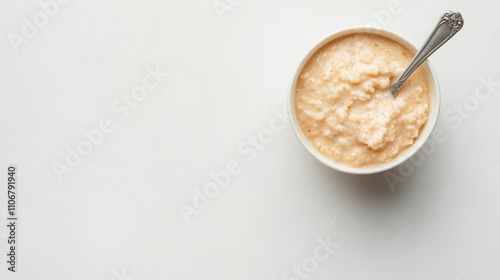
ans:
(425, 133)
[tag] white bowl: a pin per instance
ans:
(434, 94)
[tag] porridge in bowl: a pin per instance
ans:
(345, 109)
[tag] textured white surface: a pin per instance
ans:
(116, 216)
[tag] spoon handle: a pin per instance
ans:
(449, 24)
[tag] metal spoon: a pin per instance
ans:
(449, 24)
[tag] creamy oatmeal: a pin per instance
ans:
(344, 106)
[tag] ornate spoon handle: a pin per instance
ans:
(449, 24)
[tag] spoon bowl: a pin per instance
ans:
(425, 132)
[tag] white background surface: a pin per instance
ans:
(116, 216)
